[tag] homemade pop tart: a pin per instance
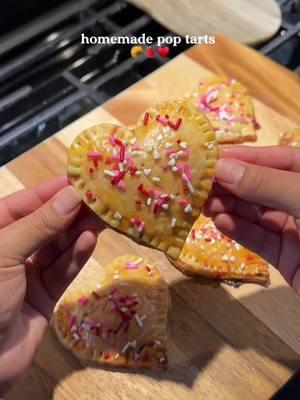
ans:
(209, 253)
(228, 106)
(290, 138)
(122, 322)
(149, 182)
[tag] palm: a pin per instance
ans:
(30, 290)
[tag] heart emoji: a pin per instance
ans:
(120, 323)
(163, 51)
(150, 182)
(149, 52)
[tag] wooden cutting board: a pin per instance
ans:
(248, 21)
(225, 343)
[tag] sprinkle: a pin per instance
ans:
(165, 206)
(76, 336)
(183, 202)
(95, 155)
(168, 145)
(139, 202)
(141, 227)
(242, 266)
(249, 258)
(121, 167)
(156, 155)
(109, 173)
(156, 179)
(224, 258)
(91, 170)
(127, 345)
(162, 120)
(138, 173)
(157, 342)
(89, 194)
(232, 259)
(147, 172)
(131, 265)
(188, 183)
(106, 356)
(138, 321)
(117, 216)
(202, 247)
(162, 359)
(188, 209)
(117, 356)
(149, 201)
(146, 118)
(124, 309)
(159, 137)
(136, 356)
(98, 286)
(71, 320)
(172, 162)
(149, 270)
(132, 141)
(173, 222)
(121, 185)
(183, 145)
(83, 300)
(193, 233)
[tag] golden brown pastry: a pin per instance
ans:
(228, 106)
(123, 321)
(290, 138)
(209, 253)
(151, 182)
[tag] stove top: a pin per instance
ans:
(48, 79)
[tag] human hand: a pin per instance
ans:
(42, 248)
(256, 202)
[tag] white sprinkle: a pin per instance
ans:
(165, 206)
(173, 222)
(164, 195)
(138, 173)
(133, 343)
(224, 258)
(188, 182)
(108, 172)
(149, 201)
(156, 179)
(98, 286)
(156, 155)
(232, 259)
(209, 146)
(124, 309)
(202, 247)
(138, 153)
(188, 209)
(126, 347)
(117, 216)
(116, 277)
(172, 155)
(117, 356)
(180, 153)
(157, 342)
(121, 167)
(168, 145)
(132, 141)
(159, 137)
(172, 162)
(183, 145)
(237, 246)
(174, 169)
(115, 152)
(73, 328)
(243, 265)
(76, 336)
(172, 196)
(138, 320)
(143, 318)
(162, 359)
(147, 172)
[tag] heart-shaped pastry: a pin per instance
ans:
(290, 138)
(229, 108)
(151, 182)
(122, 322)
(209, 253)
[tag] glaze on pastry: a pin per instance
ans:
(209, 253)
(122, 322)
(151, 182)
(228, 106)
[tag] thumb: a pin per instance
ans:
(22, 238)
(266, 186)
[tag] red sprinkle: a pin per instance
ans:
(218, 276)
(249, 258)
(116, 179)
(91, 170)
(178, 123)
(138, 202)
(146, 118)
(95, 162)
(96, 295)
(106, 356)
(144, 191)
(193, 234)
(122, 152)
(89, 194)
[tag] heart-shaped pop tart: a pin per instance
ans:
(209, 253)
(122, 322)
(229, 108)
(151, 182)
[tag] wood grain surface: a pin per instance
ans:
(225, 343)
(248, 21)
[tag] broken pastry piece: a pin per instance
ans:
(209, 253)
(290, 138)
(149, 183)
(123, 321)
(229, 107)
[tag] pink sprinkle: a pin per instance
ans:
(136, 356)
(187, 171)
(94, 155)
(121, 185)
(136, 147)
(134, 221)
(131, 265)
(163, 120)
(179, 166)
(83, 300)
(71, 320)
(186, 152)
(183, 202)
(214, 235)
(170, 151)
(141, 227)
(104, 335)
(164, 167)
(112, 140)
(89, 321)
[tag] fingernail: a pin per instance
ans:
(66, 201)
(229, 171)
